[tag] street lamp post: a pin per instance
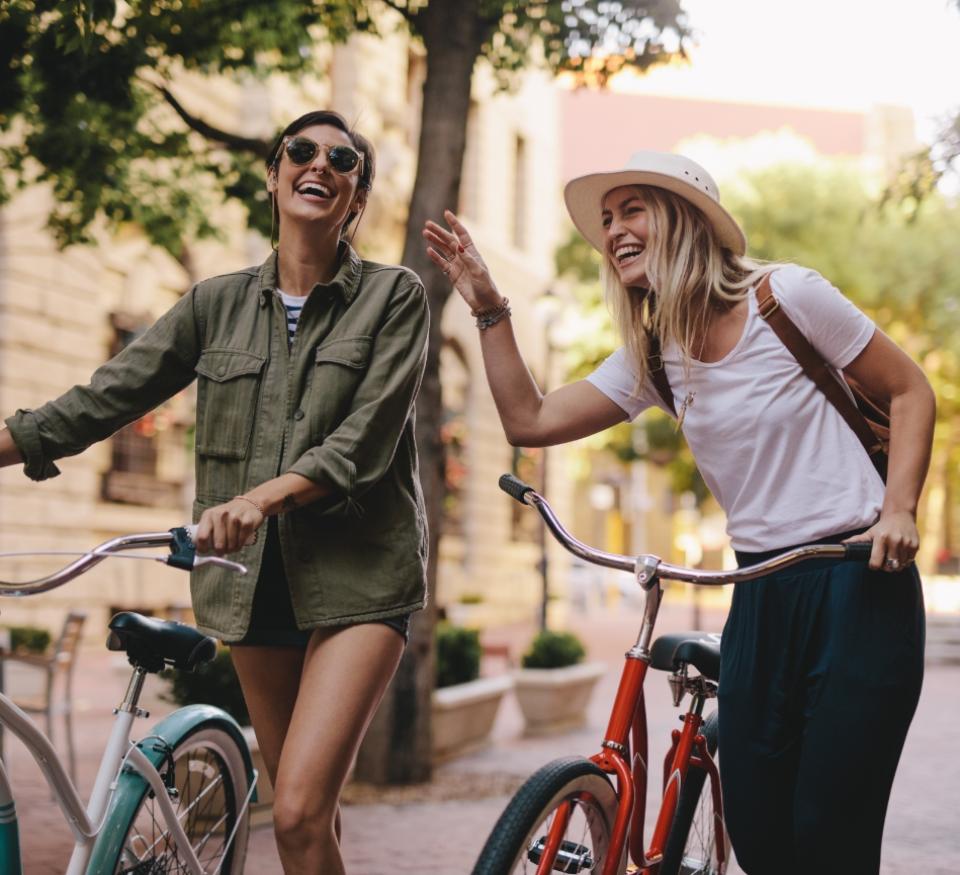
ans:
(548, 303)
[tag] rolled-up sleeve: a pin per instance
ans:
(355, 455)
(149, 371)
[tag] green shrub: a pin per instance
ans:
(215, 683)
(553, 650)
(458, 655)
(29, 638)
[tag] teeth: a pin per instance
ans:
(627, 252)
(314, 188)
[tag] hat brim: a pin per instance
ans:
(584, 198)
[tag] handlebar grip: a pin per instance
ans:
(182, 550)
(859, 551)
(514, 487)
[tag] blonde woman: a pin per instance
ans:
(822, 664)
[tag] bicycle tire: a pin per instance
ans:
(210, 777)
(691, 847)
(521, 824)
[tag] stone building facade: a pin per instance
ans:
(63, 313)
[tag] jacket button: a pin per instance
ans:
(298, 415)
(221, 371)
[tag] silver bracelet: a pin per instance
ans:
(486, 318)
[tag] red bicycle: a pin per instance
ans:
(569, 816)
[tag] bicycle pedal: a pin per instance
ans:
(570, 858)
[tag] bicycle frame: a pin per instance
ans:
(628, 721)
(86, 824)
(627, 729)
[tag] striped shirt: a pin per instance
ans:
(294, 306)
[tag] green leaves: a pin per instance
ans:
(591, 38)
(88, 85)
(83, 83)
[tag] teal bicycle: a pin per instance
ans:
(178, 799)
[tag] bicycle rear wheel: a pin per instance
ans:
(691, 847)
(518, 839)
(211, 784)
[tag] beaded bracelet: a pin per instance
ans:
(492, 315)
(254, 503)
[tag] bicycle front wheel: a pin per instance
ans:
(572, 788)
(210, 782)
(692, 846)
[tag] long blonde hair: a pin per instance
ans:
(688, 273)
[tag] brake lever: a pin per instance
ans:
(219, 560)
(183, 553)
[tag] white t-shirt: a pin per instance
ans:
(781, 461)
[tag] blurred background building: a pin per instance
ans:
(63, 313)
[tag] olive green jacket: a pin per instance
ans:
(337, 407)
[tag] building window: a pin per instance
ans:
(470, 179)
(520, 186)
(137, 451)
(455, 378)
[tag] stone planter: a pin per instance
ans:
(463, 715)
(555, 699)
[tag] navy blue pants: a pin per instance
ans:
(820, 675)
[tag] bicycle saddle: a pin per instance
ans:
(153, 644)
(699, 649)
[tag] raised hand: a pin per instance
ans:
(455, 253)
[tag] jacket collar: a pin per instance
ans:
(345, 283)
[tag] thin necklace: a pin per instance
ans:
(691, 394)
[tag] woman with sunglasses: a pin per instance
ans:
(306, 469)
(821, 664)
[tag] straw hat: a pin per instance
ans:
(584, 195)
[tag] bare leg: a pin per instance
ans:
(345, 673)
(270, 679)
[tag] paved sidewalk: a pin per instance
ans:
(440, 828)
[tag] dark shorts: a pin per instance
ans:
(272, 621)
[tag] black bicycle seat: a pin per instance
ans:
(153, 644)
(699, 649)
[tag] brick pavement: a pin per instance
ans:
(442, 836)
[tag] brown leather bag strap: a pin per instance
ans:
(658, 373)
(814, 366)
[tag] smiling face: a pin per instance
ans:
(314, 192)
(626, 233)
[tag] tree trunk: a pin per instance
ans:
(397, 749)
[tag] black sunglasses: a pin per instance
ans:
(303, 150)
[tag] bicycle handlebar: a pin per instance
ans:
(648, 568)
(183, 554)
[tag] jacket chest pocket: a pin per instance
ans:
(339, 366)
(227, 395)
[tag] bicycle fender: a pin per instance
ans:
(131, 785)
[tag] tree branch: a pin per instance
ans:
(235, 142)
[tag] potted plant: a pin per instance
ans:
(554, 685)
(28, 639)
(464, 705)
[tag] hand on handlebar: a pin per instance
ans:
(895, 541)
(228, 527)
